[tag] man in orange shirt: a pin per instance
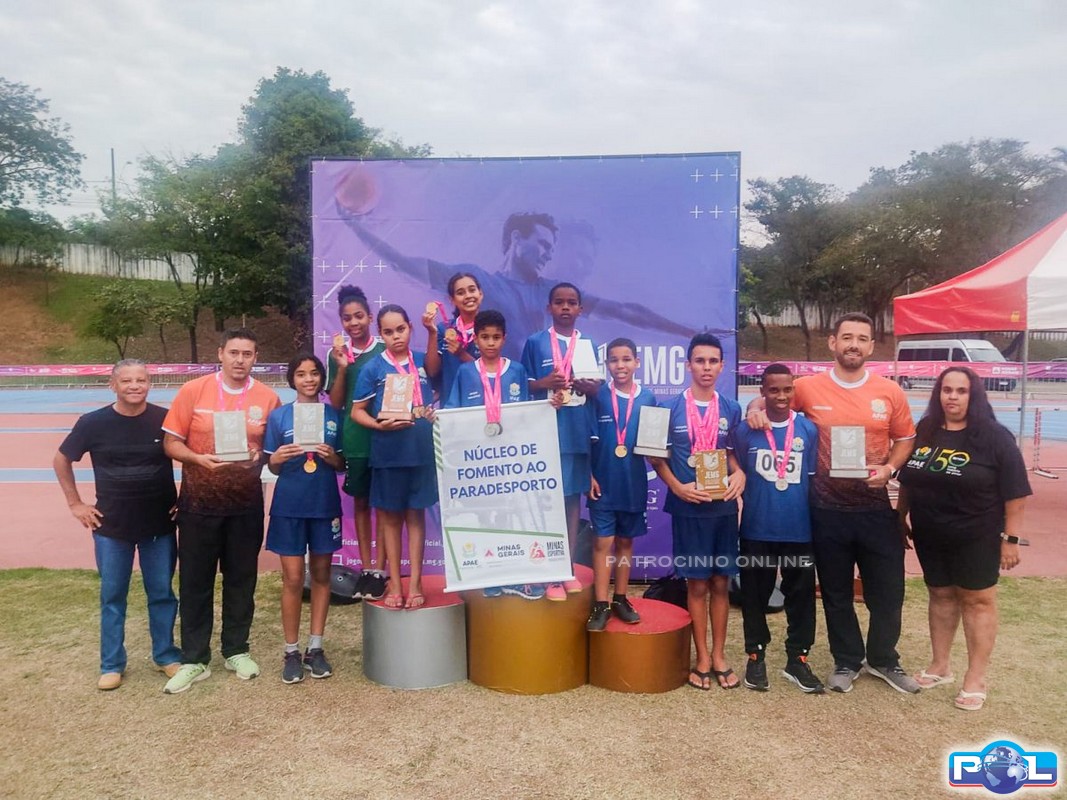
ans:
(853, 523)
(220, 509)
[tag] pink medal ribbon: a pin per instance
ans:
(780, 466)
(620, 434)
(354, 352)
(703, 433)
(493, 395)
(441, 311)
(416, 395)
(560, 361)
(466, 334)
(221, 400)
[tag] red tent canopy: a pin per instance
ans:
(1024, 288)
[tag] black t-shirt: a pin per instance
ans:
(958, 481)
(134, 477)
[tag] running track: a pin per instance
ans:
(38, 530)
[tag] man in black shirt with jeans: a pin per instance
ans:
(134, 509)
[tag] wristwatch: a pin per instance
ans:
(1007, 537)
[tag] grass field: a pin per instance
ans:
(346, 737)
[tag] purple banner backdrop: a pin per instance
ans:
(650, 240)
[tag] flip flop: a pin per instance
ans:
(927, 680)
(703, 676)
(970, 701)
(725, 673)
(416, 600)
(393, 601)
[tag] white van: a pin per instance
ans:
(951, 350)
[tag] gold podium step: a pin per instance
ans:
(529, 646)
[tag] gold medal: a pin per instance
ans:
(781, 484)
(431, 307)
(338, 341)
(621, 451)
(451, 335)
(418, 412)
(310, 465)
(565, 394)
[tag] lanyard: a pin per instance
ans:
(416, 394)
(354, 352)
(559, 361)
(620, 435)
(221, 399)
(494, 396)
(703, 433)
(466, 334)
(788, 446)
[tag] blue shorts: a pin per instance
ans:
(401, 488)
(294, 536)
(705, 546)
(577, 474)
(627, 524)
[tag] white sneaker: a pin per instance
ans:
(186, 676)
(243, 665)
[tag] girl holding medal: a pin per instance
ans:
(452, 342)
(776, 532)
(305, 516)
(547, 357)
(704, 530)
(619, 494)
(351, 351)
(404, 478)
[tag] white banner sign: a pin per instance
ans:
(502, 515)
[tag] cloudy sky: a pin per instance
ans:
(826, 89)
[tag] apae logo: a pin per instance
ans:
(1002, 767)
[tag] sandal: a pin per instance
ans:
(927, 680)
(416, 600)
(970, 701)
(393, 601)
(701, 676)
(725, 673)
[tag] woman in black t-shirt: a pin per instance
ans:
(963, 488)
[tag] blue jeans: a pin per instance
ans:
(114, 562)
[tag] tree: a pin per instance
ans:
(761, 293)
(36, 155)
(37, 239)
(798, 214)
(121, 313)
(292, 117)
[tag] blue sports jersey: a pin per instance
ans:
(407, 447)
(623, 481)
(576, 424)
(298, 493)
(680, 450)
(768, 514)
(467, 387)
(450, 364)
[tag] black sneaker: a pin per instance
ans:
(622, 608)
(292, 667)
(361, 585)
(798, 671)
(315, 662)
(598, 617)
(374, 589)
(756, 675)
